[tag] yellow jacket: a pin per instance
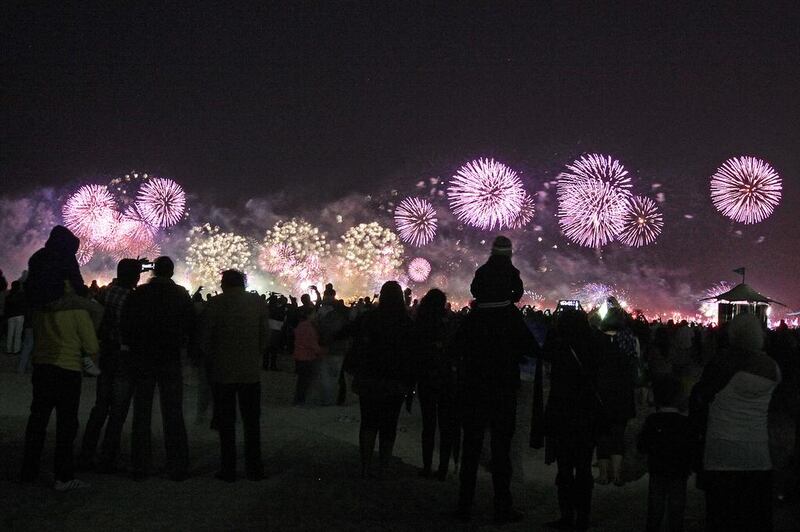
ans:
(61, 335)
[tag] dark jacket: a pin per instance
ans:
(156, 322)
(435, 365)
(49, 267)
(497, 280)
(668, 442)
(615, 382)
(384, 349)
(492, 343)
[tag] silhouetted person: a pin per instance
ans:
(572, 418)
(157, 320)
(383, 374)
(49, 267)
(113, 383)
(493, 339)
(436, 382)
(235, 334)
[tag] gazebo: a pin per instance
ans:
(742, 299)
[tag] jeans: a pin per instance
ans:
(102, 406)
(60, 389)
(438, 407)
(249, 398)
(738, 501)
(170, 391)
(498, 413)
(121, 396)
(305, 373)
(14, 338)
(666, 496)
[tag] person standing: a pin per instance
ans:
(492, 339)
(235, 335)
(156, 322)
(113, 380)
(15, 316)
(382, 364)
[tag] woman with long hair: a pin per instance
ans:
(383, 370)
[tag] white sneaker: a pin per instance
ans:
(89, 367)
(70, 485)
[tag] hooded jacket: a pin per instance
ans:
(497, 281)
(49, 267)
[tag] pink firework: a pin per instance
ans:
(416, 221)
(85, 253)
(594, 167)
(133, 224)
(591, 214)
(279, 259)
(161, 201)
(641, 223)
(486, 194)
(89, 212)
(526, 213)
(130, 248)
(419, 269)
(746, 189)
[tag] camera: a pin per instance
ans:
(147, 266)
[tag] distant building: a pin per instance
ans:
(742, 299)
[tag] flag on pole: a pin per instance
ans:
(740, 271)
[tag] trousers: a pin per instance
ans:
(248, 395)
(666, 496)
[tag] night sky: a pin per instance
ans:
(320, 99)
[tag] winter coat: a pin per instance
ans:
(49, 267)
(157, 320)
(615, 379)
(383, 350)
(61, 336)
(235, 336)
(496, 281)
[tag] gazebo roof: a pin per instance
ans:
(743, 292)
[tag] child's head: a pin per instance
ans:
(667, 392)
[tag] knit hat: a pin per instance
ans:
(501, 246)
(746, 333)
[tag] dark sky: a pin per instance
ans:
(336, 96)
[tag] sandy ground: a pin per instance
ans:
(311, 458)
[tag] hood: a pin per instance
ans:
(62, 241)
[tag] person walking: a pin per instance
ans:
(235, 335)
(156, 322)
(492, 339)
(383, 370)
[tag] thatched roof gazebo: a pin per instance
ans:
(742, 299)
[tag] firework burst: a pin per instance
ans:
(370, 249)
(89, 212)
(299, 237)
(85, 253)
(419, 269)
(526, 213)
(641, 223)
(709, 308)
(124, 188)
(746, 189)
(486, 194)
(416, 221)
(277, 258)
(161, 201)
(591, 214)
(211, 251)
(594, 167)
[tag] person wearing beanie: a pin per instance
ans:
(735, 391)
(492, 341)
(497, 282)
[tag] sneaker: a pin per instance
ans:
(70, 485)
(89, 367)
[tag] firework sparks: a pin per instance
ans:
(746, 189)
(486, 194)
(212, 251)
(370, 249)
(591, 214)
(89, 212)
(416, 221)
(277, 258)
(594, 167)
(526, 213)
(161, 201)
(124, 188)
(85, 253)
(709, 308)
(641, 223)
(419, 269)
(302, 240)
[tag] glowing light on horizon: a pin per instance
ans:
(641, 222)
(161, 201)
(416, 221)
(486, 194)
(419, 269)
(746, 189)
